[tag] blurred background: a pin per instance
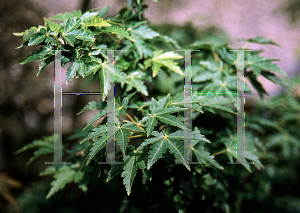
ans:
(26, 101)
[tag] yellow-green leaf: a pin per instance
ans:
(97, 22)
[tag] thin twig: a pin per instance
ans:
(130, 118)
(216, 57)
(245, 45)
(132, 136)
(135, 136)
(124, 120)
(218, 153)
(137, 124)
(118, 157)
(161, 128)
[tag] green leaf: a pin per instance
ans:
(227, 85)
(98, 144)
(72, 24)
(93, 105)
(85, 35)
(97, 132)
(94, 118)
(260, 40)
(105, 79)
(93, 67)
(123, 139)
(38, 37)
(150, 124)
(153, 105)
(107, 74)
(43, 147)
(249, 152)
(167, 55)
(87, 16)
(85, 156)
(142, 153)
(144, 32)
(118, 74)
(159, 146)
(169, 110)
(144, 49)
(50, 170)
(52, 25)
(118, 31)
(257, 64)
(212, 66)
(269, 66)
(179, 135)
(167, 60)
(82, 70)
(177, 148)
(115, 170)
(216, 102)
(103, 11)
(256, 84)
(204, 157)
(28, 35)
(19, 34)
(286, 142)
(129, 173)
(135, 80)
(163, 114)
(139, 106)
(35, 55)
(272, 77)
(164, 102)
(97, 22)
(120, 108)
(158, 136)
(125, 103)
(132, 127)
(45, 61)
(170, 40)
(155, 69)
(65, 16)
(64, 175)
(170, 119)
(69, 38)
(77, 66)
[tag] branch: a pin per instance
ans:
(218, 153)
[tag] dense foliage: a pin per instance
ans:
(149, 76)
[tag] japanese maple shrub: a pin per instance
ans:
(149, 110)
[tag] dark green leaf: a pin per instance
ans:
(64, 176)
(260, 40)
(72, 24)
